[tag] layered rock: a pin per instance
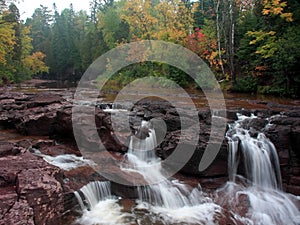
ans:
(30, 189)
(34, 192)
(285, 134)
(280, 124)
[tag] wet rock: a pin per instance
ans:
(101, 139)
(295, 140)
(30, 114)
(63, 123)
(77, 178)
(284, 132)
(52, 148)
(217, 168)
(231, 115)
(50, 114)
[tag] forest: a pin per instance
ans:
(251, 45)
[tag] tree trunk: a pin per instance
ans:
(231, 40)
(219, 37)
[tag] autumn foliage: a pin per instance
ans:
(251, 46)
(17, 60)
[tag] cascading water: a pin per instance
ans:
(268, 204)
(143, 147)
(256, 199)
(98, 205)
(259, 154)
(170, 199)
(89, 195)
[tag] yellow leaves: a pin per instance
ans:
(163, 20)
(259, 35)
(287, 16)
(276, 7)
(26, 41)
(139, 15)
(269, 47)
(34, 63)
(7, 40)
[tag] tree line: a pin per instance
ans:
(251, 45)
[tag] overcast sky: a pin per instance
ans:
(27, 7)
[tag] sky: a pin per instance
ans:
(27, 7)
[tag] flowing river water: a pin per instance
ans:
(174, 202)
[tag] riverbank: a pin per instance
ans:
(42, 121)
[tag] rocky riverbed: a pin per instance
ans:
(32, 191)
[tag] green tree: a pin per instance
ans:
(268, 49)
(115, 30)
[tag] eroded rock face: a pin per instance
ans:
(30, 190)
(50, 114)
(282, 127)
(30, 114)
(285, 135)
(34, 192)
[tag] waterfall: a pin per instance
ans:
(143, 147)
(98, 205)
(92, 193)
(268, 204)
(260, 200)
(173, 200)
(259, 154)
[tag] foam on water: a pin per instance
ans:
(256, 199)
(170, 199)
(66, 161)
(268, 204)
(105, 212)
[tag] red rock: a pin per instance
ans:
(31, 190)
(7, 148)
(20, 214)
(293, 189)
(43, 193)
(295, 180)
(8, 197)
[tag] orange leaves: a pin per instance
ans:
(276, 7)
(259, 70)
(287, 16)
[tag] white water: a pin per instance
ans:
(92, 193)
(66, 161)
(105, 212)
(256, 199)
(269, 205)
(175, 202)
(98, 205)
